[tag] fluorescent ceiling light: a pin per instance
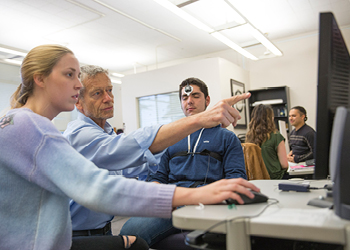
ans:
(262, 39)
(233, 45)
(118, 75)
(214, 13)
(11, 51)
(173, 8)
(13, 61)
(220, 15)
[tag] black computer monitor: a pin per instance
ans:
(339, 162)
(332, 89)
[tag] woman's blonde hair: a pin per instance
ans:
(261, 125)
(39, 60)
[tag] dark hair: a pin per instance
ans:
(261, 125)
(301, 110)
(194, 81)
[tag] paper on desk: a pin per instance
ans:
(291, 216)
(301, 167)
(292, 164)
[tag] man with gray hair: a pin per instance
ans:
(92, 136)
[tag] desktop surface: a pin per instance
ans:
(291, 218)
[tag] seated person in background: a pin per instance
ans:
(301, 139)
(205, 156)
(262, 131)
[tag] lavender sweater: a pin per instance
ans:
(40, 172)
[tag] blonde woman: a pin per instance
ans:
(40, 171)
(262, 131)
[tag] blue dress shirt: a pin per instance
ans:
(112, 152)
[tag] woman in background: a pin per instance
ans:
(262, 131)
(40, 171)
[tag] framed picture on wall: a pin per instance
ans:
(237, 88)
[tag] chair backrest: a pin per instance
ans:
(254, 163)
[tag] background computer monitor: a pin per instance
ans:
(332, 89)
(283, 131)
(339, 162)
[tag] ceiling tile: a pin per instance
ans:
(116, 42)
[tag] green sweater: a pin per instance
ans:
(269, 154)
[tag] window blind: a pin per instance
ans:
(159, 109)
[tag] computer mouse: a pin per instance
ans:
(258, 198)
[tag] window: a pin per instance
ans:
(159, 109)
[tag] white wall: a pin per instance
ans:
(215, 72)
(297, 68)
(9, 81)
(7, 89)
(117, 120)
(230, 71)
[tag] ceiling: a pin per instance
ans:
(122, 35)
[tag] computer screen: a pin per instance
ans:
(332, 89)
(339, 162)
(283, 130)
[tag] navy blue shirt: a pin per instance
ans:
(186, 170)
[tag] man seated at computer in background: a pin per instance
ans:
(205, 156)
(301, 139)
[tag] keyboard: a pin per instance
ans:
(310, 162)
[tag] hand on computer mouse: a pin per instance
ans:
(215, 192)
(258, 198)
(241, 186)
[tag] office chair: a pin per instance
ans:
(254, 163)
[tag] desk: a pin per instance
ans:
(300, 171)
(291, 218)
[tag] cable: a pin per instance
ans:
(242, 217)
(206, 175)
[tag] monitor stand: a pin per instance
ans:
(322, 202)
